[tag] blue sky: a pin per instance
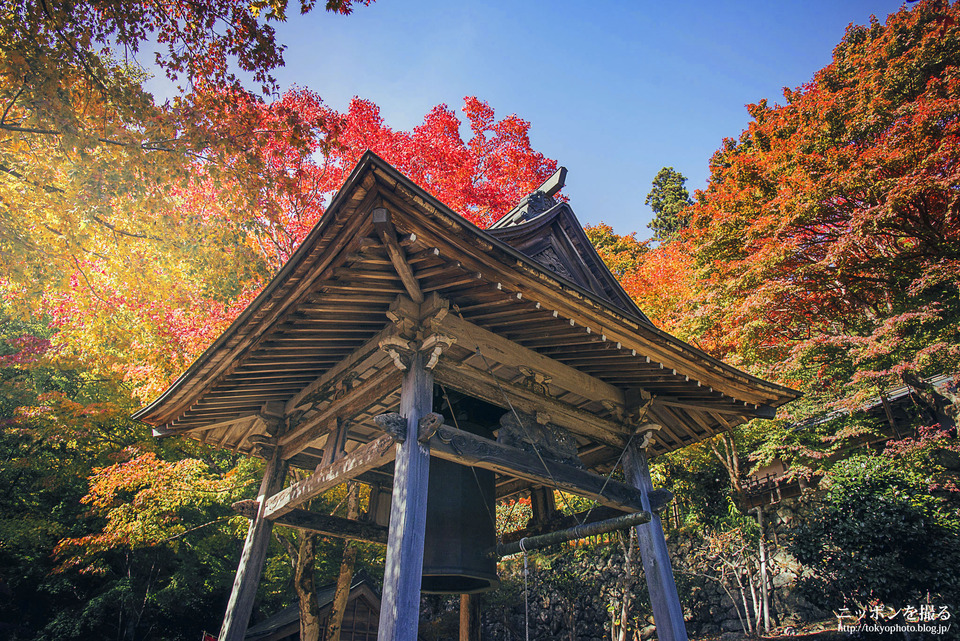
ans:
(614, 90)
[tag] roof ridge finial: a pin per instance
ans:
(538, 201)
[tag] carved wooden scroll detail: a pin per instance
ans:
(550, 440)
(393, 424)
(535, 381)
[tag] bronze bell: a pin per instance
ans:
(460, 527)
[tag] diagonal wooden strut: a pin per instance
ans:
(366, 457)
(388, 236)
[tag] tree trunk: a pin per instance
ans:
(743, 597)
(730, 459)
(764, 584)
(627, 584)
(303, 582)
(345, 578)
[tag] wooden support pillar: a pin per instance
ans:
(543, 504)
(400, 604)
(469, 617)
(254, 554)
(667, 613)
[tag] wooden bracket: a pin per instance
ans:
(435, 344)
(399, 349)
(637, 402)
(428, 426)
(646, 435)
(535, 381)
(393, 424)
(415, 333)
(263, 445)
(416, 320)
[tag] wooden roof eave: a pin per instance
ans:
(373, 179)
(620, 325)
(563, 213)
(193, 377)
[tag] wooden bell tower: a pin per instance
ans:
(393, 302)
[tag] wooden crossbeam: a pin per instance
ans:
(366, 457)
(482, 385)
(388, 235)
(497, 349)
(469, 449)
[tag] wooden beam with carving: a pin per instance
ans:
(497, 349)
(482, 385)
(366, 457)
(324, 524)
(388, 236)
(469, 449)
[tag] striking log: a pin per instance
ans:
(366, 457)
(565, 522)
(469, 449)
(578, 532)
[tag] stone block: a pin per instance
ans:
(731, 625)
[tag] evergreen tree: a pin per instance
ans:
(668, 198)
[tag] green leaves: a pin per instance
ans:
(878, 534)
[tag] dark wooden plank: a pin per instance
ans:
(469, 449)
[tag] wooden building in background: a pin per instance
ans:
(360, 618)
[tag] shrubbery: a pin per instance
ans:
(880, 534)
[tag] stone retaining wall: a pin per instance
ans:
(576, 593)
